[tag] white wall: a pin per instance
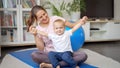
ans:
(117, 9)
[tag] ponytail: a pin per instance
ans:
(30, 21)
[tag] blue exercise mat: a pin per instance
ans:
(25, 56)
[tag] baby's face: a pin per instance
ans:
(59, 28)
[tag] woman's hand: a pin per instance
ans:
(33, 30)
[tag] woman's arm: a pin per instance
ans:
(39, 42)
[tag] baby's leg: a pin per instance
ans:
(45, 65)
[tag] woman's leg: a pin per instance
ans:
(80, 57)
(41, 58)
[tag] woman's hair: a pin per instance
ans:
(33, 16)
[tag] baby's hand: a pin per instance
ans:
(33, 30)
(83, 20)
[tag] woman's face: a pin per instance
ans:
(42, 17)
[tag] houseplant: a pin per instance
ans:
(58, 10)
(71, 9)
(61, 10)
(76, 7)
(48, 5)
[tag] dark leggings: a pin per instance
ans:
(41, 56)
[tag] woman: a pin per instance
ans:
(44, 23)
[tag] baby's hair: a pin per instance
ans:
(59, 21)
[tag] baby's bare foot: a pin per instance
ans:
(77, 67)
(58, 66)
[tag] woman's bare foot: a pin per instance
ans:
(42, 65)
(45, 65)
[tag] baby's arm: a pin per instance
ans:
(82, 21)
(42, 33)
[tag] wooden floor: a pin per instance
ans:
(109, 49)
